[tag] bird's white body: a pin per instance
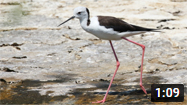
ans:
(102, 32)
(98, 30)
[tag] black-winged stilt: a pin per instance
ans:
(109, 28)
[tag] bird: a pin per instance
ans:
(110, 28)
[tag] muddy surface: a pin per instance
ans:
(21, 93)
(41, 63)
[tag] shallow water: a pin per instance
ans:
(20, 93)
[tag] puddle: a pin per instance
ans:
(18, 93)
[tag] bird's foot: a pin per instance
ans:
(102, 101)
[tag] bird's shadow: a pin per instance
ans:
(117, 88)
(123, 94)
(129, 92)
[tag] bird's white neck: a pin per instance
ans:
(85, 22)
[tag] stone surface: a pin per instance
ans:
(67, 65)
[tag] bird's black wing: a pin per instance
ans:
(119, 25)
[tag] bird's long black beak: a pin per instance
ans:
(66, 20)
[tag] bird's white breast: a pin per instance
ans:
(100, 31)
(105, 33)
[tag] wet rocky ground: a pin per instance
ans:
(41, 63)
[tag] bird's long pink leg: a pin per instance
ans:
(143, 48)
(117, 66)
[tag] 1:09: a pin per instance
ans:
(169, 92)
